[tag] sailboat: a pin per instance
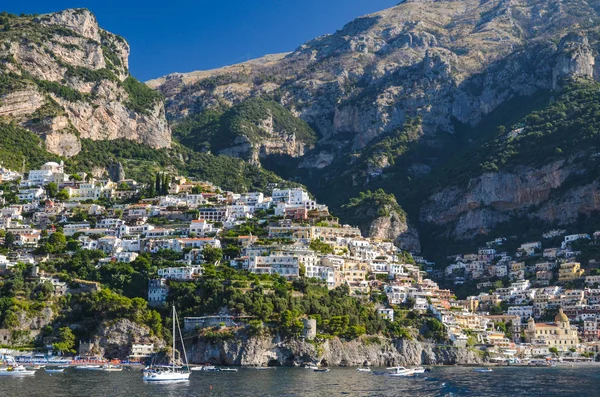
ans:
(170, 373)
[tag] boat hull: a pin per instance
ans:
(166, 377)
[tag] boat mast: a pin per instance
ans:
(173, 352)
(182, 345)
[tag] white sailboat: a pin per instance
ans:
(169, 373)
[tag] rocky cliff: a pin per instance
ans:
(113, 339)
(65, 78)
(441, 60)
(261, 351)
(440, 67)
(378, 215)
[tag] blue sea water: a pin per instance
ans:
(299, 382)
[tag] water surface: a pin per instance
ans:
(299, 382)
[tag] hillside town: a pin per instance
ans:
(534, 303)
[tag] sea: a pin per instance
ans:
(292, 382)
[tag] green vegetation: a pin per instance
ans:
(217, 129)
(321, 247)
(142, 162)
(335, 311)
(18, 144)
(60, 90)
(141, 97)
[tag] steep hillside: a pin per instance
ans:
(65, 79)
(427, 100)
(542, 169)
(379, 215)
(252, 129)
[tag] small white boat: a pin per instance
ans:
(17, 370)
(199, 368)
(363, 369)
(228, 369)
(483, 370)
(54, 370)
(112, 368)
(312, 366)
(419, 370)
(89, 367)
(264, 368)
(400, 371)
(321, 370)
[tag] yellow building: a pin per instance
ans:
(560, 334)
(569, 271)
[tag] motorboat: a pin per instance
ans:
(17, 370)
(228, 369)
(419, 370)
(363, 369)
(321, 370)
(264, 368)
(400, 371)
(54, 370)
(170, 373)
(89, 367)
(112, 368)
(310, 366)
(483, 370)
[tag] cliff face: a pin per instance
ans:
(273, 140)
(440, 67)
(65, 78)
(114, 339)
(442, 60)
(261, 351)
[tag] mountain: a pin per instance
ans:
(400, 97)
(65, 79)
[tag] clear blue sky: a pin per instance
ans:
(180, 36)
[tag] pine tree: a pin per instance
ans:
(157, 184)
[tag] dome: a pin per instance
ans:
(561, 317)
(50, 165)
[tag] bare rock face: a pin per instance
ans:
(396, 228)
(21, 103)
(493, 198)
(63, 144)
(114, 339)
(440, 60)
(261, 351)
(77, 71)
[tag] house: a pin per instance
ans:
(200, 227)
(157, 292)
(569, 271)
(213, 214)
(140, 351)
(180, 273)
(386, 314)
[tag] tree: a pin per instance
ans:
(553, 350)
(157, 183)
(51, 189)
(57, 241)
(63, 195)
(212, 255)
(66, 341)
(9, 240)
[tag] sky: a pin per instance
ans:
(181, 36)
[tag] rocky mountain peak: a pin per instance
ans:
(66, 79)
(79, 20)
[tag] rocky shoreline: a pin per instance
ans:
(375, 351)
